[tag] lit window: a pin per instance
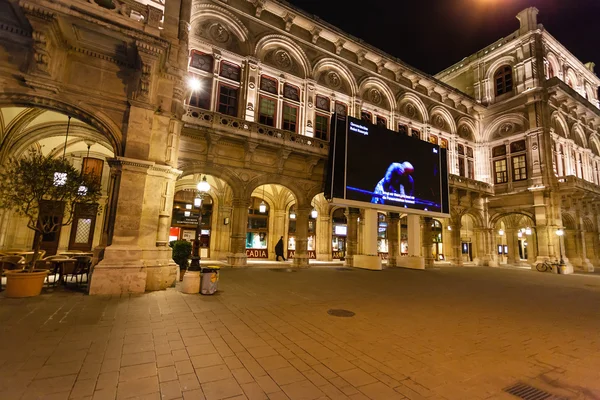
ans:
(321, 127)
(519, 168)
(266, 112)
(501, 171)
(290, 118)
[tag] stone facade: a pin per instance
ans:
(241, 92)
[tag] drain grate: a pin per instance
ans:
(527, 392)
(341, 313)
(282, 270)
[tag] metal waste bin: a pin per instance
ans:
(209, 280)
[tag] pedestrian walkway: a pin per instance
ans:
(452, 333)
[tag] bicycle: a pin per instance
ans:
(545, 266)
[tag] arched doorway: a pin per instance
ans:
(257, 235)
(339, 234)
(55, 134)
(184, 222)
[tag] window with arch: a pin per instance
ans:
(504, 80)
(500, 167)
(267, 105)
(322, 115)
(366, 116)
(466, 163)
(519, 160)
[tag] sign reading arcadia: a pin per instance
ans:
(373, 167)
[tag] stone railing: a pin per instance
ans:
(571, 183)
(226, 123)
(461, 182)
(140, 11)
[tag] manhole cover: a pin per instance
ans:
(282, 270)
(343, 269)
(528, 392)
(341, 313)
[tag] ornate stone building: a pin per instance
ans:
(158, 94)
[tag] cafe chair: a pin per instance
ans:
(68, 268)
(83, 268)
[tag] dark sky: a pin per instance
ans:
(431, 35)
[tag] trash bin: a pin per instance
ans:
(209, 283)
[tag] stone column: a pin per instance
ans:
(239, 227)
(351, 244)
(122, 269)
(324, 232)
(369, 259)
(301, 255)
(532, 248)
(456, 245)
(221, 232)
(513, 242)
(393, 239)
(414, 259)
(426, 241)
(277, 232)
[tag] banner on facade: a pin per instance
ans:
(257, 253)
(311, 254)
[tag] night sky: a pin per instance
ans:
(431, 35)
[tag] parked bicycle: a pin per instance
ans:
(547, 266)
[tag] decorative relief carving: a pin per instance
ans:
(375, 96)
(438, 121)
(219, 33)
(360, 54)
(250, 107)
(507, 129)
(282, 59)
(289, 21)
(534, 146)
(315, 32)
(410, 110)
(333, 80)
(40, 49)
(339, 46)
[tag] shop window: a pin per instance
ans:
(322, 103)
(290, 118)
(258, 226)
(500, 171)
(366, 116)
(230, 71)
(269, 85)
(321, 127)
(339, 233)
(266, 111)
(228, 100)
(291, 92)
(201, 61)
(504, 80)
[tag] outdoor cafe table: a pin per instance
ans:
(57, 266)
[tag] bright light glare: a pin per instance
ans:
(560, 232)
(194, 84)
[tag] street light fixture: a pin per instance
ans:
(501, 232)
(203, 187)
(314, 213)
(560, 233)
(194, 84)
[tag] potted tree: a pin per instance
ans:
(37, 181)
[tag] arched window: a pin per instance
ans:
(504, 80)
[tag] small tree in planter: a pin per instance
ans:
(35, 182)
(182, 249)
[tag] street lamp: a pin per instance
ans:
(314, 213)
(560, 233)
(501, 232)
(203, 187)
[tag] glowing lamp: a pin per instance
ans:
(262, 207)
(560, 232)
(314, 213)
(203, 186)
(501, 232)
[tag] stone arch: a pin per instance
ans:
(588, 225)
(553, 61)
(571, 77)
(411, 105)
(589, 92)
(493, 68)
(505, 126)
(579, 135)
(217, 24)
(512, 218)
(375, 91)
(595, 144)
(95, 118)
(568, 221)
(301, 197)
(560, 125)
(225, 174)
(281, 52)
(466, 129)
(441, 118)
(328, 65)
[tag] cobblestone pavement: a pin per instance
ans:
(464, 333)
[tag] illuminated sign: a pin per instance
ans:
(257, 253)
(341, 230)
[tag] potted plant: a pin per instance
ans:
(38, 182)
(182, 249)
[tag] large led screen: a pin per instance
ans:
(373, 167)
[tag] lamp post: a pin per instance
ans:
(560, 233)
(203, 187)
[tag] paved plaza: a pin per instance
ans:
(446, 333)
